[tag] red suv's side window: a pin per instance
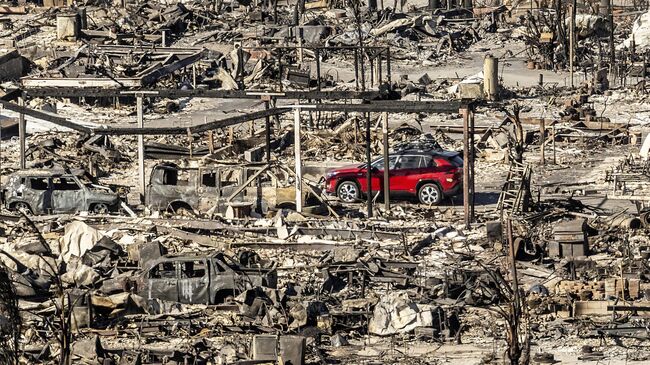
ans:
(408, 162)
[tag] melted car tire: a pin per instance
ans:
(430, 194)
(348, 191)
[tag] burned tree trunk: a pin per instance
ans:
(10, 322)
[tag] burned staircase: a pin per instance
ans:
(516, 191)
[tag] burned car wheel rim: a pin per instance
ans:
(429, 194)
(348, 192)
(100, 208)
(23, 207)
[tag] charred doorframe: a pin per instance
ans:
(375, 55)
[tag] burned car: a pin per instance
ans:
(43, 191)
(210, 189)
(201, 278)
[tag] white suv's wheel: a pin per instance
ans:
(430, 194)
(348, 191)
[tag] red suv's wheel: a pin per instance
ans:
(430, 194)
(348, 192)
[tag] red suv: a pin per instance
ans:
(429, 175)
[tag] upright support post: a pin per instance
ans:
(0, 139)
(267, 127)
(318, 84)
(388, 74)
(368, 169)
(554, 144)
(472, 153)
(542, 139)
(572, 27)
(356, 68)
(194, 75)
(384, 132)
(140, 147)
(297, 153)
(612, 50)
(22, 133)
(466, 164)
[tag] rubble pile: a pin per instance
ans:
(323, 182)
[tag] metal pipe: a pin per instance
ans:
(140, 117)
(22, 133)
(384, 131)
(472, 154)
(298, 158)
(542, 138)
(267, 127)
(572, 26)
(318, 85)
(466, 178)
(388, 74)
(368, 167)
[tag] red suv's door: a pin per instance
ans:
(405, 176)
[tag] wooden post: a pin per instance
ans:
(297, 154)
(22, 133)
(384, 132)
(140, 147)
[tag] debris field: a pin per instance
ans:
(324, 182)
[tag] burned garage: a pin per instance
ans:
(324, 182)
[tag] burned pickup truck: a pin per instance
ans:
(202, 279)
(210, 189)
(43, 191)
